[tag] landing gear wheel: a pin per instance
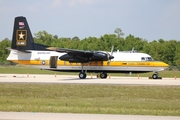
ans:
(82, 75)
(155, 76)
(103, 75)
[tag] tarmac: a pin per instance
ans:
(74, 79)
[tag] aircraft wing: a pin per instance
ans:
(82, 56)
(75, 55)
(71, 51)
(74, 51)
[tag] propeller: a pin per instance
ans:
(110, 55)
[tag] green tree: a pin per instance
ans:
(43, 37)
(119, 32)
(3, 51)
(75, 38)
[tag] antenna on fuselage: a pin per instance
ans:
(132, 51)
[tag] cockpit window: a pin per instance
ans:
(149, 59)
(146, 59)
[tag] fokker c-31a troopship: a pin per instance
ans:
(25, 51)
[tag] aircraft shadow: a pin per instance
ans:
(76, 79)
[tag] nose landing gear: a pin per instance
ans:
(156, 76)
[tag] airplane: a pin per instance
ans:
(25, 51)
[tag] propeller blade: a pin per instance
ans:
(112, 49)
(110, 55)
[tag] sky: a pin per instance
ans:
(146, 19)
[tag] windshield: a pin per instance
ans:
(146, 58)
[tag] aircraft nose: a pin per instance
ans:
(161, 64)
(164, 64)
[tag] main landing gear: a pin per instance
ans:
(82, 74)
(103, 75)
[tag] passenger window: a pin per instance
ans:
(142, 58)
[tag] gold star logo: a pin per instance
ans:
(21, 36)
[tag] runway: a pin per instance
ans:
(69, 116)
(73, 79)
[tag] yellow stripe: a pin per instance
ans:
(105, 63)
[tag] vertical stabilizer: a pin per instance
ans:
(22, 38)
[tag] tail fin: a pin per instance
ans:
(22, 39)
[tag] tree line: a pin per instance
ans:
(162, 50)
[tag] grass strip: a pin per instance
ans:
(83, 98)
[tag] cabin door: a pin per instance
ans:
(53, 62)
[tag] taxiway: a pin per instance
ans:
(73, 79)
